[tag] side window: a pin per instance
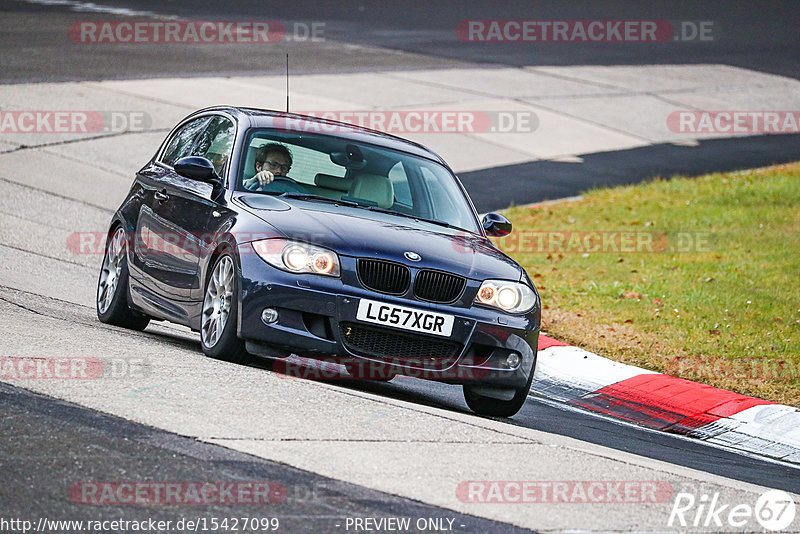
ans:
(181, 142)
(402, 192)
(215, 143)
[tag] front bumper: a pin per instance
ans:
(317, 318)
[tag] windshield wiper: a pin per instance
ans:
(320, 198)
(415, 217)
(351, 204)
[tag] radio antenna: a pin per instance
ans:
(287, 83)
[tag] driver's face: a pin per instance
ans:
(275, 163)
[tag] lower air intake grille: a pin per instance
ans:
(384, 276)
(386, 343)
(436, 286)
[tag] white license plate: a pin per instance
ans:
(427, 322)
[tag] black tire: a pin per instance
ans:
(117, 312)
(227, 346)
(482, 405)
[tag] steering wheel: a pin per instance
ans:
(294, 185)
(282, 184)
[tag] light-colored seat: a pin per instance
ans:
(373, 188)
(331, 186)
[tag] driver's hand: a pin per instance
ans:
(261, 179)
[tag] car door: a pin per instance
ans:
(172, 226)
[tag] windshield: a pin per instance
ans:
(356, 174)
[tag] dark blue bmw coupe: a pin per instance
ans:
(275, 234)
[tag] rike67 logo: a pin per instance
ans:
(774, 510)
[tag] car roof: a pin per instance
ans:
(264, 118)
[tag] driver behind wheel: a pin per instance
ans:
(272, 160)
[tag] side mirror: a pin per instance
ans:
(197, 168)
(496, 225)
(202, 170)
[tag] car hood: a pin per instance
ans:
(360, 233)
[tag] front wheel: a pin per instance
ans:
(112, 286)
(218, 322)
(483, 405)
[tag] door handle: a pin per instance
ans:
(161, 196)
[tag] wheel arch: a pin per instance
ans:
(226, 245)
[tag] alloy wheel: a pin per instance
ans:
(110, 272)
(217, 302)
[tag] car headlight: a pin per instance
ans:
(297, 257)
(511, 297)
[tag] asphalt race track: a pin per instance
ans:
(339, 449)
(44, 436)
(754, 35)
